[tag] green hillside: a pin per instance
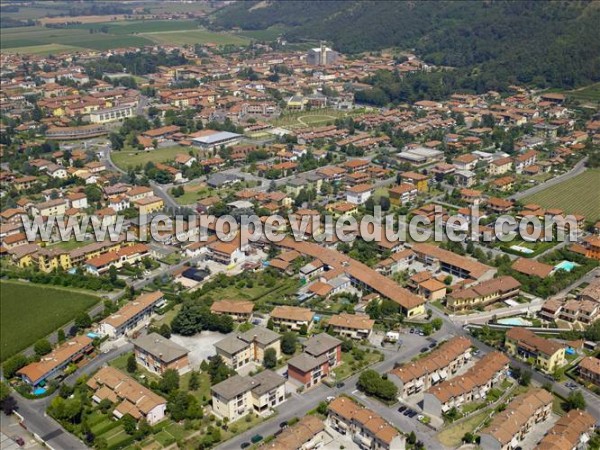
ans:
(543, 43)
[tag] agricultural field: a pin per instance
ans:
(41, 40)
(132, 158)
(13, 39)
(575, 196)
(30, 312)
(269, 34)
(194, 36)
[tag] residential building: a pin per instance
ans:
(56, 207)
(472, 386)
(532, 267)
(509, 427)
(500, 166)
(359, 194)
(52, 364)
(355, 326)
(239, 395)
(368, 429)
(116, 113)
(547, 355)
(321, 354)
(238, 310)
(572, 431)
(149, 205)
(440, 364)
(237, 350)
(307, 434)
(402, 194)
(589, 369)
(135, 313)
(419, 180)
(157, 354)
(483, 294)
(129, 396)
(292, 317)
(451, 263)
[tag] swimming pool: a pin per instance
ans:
(520, 249)
(39, 391)
(515, 321)
(565, 265)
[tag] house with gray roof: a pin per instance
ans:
(157, 354)
(239, 349)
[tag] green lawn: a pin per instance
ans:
(315, 117)
(452, 436)
(574, 196)
(587, 95)
(132, 158)
(350, 365)
(47, 49)
(30, 312)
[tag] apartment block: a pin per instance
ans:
(483, 294)
(292, 317)
(157, 354)
(239, 395)
(472, 386)
(355, 326)
(131, 316)
(509, 427)
(547, 355)
(437, 366)
(368, 429)
(237, 350)
(589, 369)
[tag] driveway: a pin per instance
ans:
(201, 346)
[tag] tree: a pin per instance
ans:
(525, 378)
(288, 343)
(322, 408)
(411, 438)
(165, 330)
(129, 424)
(178, 405)
(60, 335)
(13, 364)
(303, 329)
(83, 320)
(575, 400)
(131, 364)
(42, 347)
(112, 274)
(218, 370)
(270, 324)
(270, 358)
(8, 405)
(437, 323)
(169, 381)
(194, 382)
(105, 405)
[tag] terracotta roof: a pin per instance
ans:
(297, 435)
(475, 268)
(294, 313)
(354, 321)
(532, 267)
(232, 307)
(567, 431)
(132, 308)
(59, 356)
(506, 424)
(531, 340)
(590, 363)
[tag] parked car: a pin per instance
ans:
(245, 445)
(340, 385)
(412, 330)
(407, 412)
(256, 438)
(424, 349)
(283, 424)
(330, 398)
(402, 409)
(412, 414)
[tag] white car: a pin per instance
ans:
(330, 398)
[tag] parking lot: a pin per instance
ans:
(201, 346)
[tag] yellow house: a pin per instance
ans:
(419, 180)
(342, 209)
(58, 112)
(148, 205)
(416, 311)
(543, 353)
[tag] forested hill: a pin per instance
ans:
(544, 43)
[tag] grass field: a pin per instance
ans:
(30, 312)
(126, 158)
(587, 95)
(316, 117)
(452, 436)
(579, 195)
(42, 40)
(196, 36)
(269, 34)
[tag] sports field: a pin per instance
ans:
(579, 195)
(126, 159)
(313, 118)
(31, 312)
